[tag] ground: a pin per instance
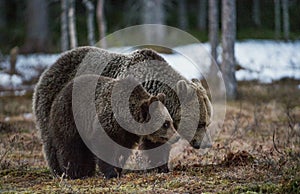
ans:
(257, 151)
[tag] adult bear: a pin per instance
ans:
(143, 65)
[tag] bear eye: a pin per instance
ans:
(201, 125)
(166, 124)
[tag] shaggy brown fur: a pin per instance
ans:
(67, 152)
(116, 66)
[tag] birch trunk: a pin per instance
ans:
(228, 39)
(213, 27)
(153, 12)
(202, 16)
(64, 26)
(101, 23)
(183, 22)
(72, 24)
(90, 21)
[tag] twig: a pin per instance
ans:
(4, 154)
(274, 144)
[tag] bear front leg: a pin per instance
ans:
(161, 157)
(76, 160)
(108, 170)
(111, 171)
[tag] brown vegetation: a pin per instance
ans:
(258, 150)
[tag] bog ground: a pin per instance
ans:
(258, 150)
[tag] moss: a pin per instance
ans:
(263, 188)
(293, 186)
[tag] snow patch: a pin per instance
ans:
(264, 61)
(10, 81)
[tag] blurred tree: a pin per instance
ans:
(13, 56)
(202, 16)
(64, 25)
(277, 18)
(256, 13)
(37, 27)
(2, 14)
(183, 21)
(101, 22)
(285, 19)
(90, 21)
(72, 23)
(2, 18)
(228, 39)
(153, 12)
(213, 27)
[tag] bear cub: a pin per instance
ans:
(65, 150)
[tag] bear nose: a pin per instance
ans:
(174, 138)
(205, 145)
(195, 144)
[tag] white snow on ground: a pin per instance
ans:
(267, 61)
(10, 81)
(264, 61)
(27, 66)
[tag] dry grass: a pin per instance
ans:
(257, 151)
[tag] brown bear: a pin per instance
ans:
(142, 62)
(65, 150)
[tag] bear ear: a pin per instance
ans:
(162, 98)
(184, 91)
(181, 87)
(196, 81)
(198, 84)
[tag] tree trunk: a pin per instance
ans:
(277, 18)
(285, 19)
(37, 27)
(72, 24)
(202, 16)
(153, 12)
(228, 39)
(90, 21)
(256, 13)
(64, 25)
(183, 22)
(213, 27)
(2, 15)
(101, 23)
(13, 56)
(2, 19)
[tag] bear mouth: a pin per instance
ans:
(172, 139)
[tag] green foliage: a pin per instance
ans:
(263, 188)
(293, 186)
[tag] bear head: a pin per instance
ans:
(191, 94)
(153, 108)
